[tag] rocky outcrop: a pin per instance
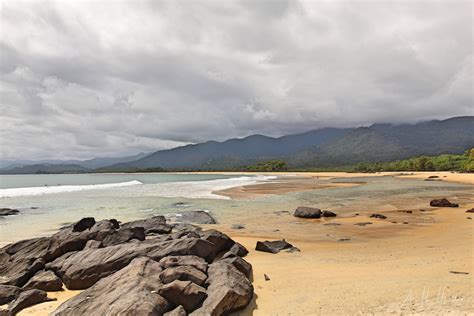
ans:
(44, 280)
(273, 246)
(26, 299)
(442, 203)
(307, 212)
(123, 272)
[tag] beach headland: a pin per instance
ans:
(418, 260)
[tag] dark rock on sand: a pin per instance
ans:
(328, 214)
(237, 226)
(8, 293)
(184, 293)
(178, 311)
(343, 239)
(154, 225)
(307, 212)
(470, 211)
(176, 261)
(266, 277)
(8, 211)
(332, 224)
(44, 280)
(379, 216)
(229, 290)
(130, 291)
(183, 273)
(443, 203)
(221, 241)
(26, 299)
(272, 246)
(363, 224)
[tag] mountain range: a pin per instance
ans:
(327, 147)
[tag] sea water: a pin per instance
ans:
(47, 202)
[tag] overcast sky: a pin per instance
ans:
(107, 78)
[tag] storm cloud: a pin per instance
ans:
(107, 78)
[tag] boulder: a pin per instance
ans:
(183, 273)
(130, 291)
(21, 260)
(240, 264)
(328, 214)
(82, 269)
(176, 261)
(8, 211)
(44, 280)
(379, 216)
(229, 290)
(154, 225)
(26, 299)
(195, 217)
(123, 235)
(273, 246)
(222, 242)
(307, 212)
(236, 250)
(8, 293)
(83, 224)
(184, 293)
(443, 203)
(178, 311)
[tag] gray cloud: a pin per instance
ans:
(88, 78)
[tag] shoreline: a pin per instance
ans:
(384, 267)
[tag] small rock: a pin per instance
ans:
(332, 224)
(237, 226)
(405, 223)
(267, 278)
(363, 223)
(433, 177)
(458, 272)
(443, 203)
(468, 217)
(8, 211)
(470, 211)
(307, 212)
(380, 216)
(328, 214)
(344, 239)
(272, 246)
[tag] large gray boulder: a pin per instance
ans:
(82, 269)
(44, 280)
(154, 225)
(229, 290)
(130, 291)
(184, 293)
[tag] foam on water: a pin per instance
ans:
(198, 189)
(14, 192)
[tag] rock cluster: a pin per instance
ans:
(8, 211)
(144, 267)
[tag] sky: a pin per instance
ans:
(82, 79)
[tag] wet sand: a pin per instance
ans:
(398, 265)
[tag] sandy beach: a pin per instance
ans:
(401, 265)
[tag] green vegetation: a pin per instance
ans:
(130, 170)
(266, 166)
(460, 163)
